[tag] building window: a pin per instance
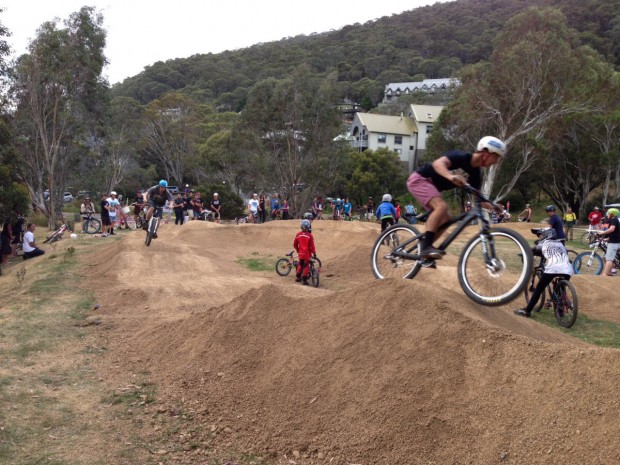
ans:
(398, 140)
(381, 138)
(429, 128)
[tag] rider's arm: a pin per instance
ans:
(442, 168)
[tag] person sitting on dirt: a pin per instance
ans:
(613, 246)
(386, 213)
(157, 196)
(556, 264)
(216, 207)
(29, 245)
(410, 213)
(304, 245)
(426, 185)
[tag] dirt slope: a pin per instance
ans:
(358, 371)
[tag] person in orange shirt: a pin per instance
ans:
(304, 245)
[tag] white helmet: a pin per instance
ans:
(386, 198)
(493, 145)
(215, 194)
(338, 200)
(113, 193)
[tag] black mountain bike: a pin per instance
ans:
(561, 296)
(494, 266)
(91, 224)
(151, 229)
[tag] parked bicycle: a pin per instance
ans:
(285, 265)
(590, 236)
(151, 230)
(493, 268)
(127, 220)
(591, 262)
(91, 225)
(559, 294)
(56, 235)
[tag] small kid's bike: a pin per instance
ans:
(493, 268)
(285, 265)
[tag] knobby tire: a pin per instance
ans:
(565, 304)
(93, 226)
(384, 263)
(580, 265)
(284, 267)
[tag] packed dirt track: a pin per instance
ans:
(357, 371)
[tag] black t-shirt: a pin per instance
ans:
(458, 160)
(215, 204)
(614, 237)
(178, 204)
(186, 202)
(104, 211)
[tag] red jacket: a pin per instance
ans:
(304, 245)
(595, 217)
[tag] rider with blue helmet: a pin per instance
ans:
(157, 196)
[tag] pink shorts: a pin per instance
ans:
(422, 189)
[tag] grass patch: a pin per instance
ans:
(257, 262)
(597, 332)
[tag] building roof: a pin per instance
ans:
(426, 85)
(424, 113)
(386, 124)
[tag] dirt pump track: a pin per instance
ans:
(358, 371)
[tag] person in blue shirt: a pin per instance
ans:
(410, 213)
(338, 207)
(346, 207)
(555, 222)
(386, 212)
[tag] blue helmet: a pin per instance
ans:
(163, 183)
(305, 225)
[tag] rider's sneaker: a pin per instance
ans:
(430, 252)
(297, 280)
(522, 312)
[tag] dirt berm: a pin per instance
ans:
(358, 371)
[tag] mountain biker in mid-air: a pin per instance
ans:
(157, 196)
(427, 182)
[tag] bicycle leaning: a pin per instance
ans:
(285, 265)
(591, 262)
(90, 224)
(494, 266)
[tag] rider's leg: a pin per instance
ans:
(149, 213)
(438, 217)
(543, 282)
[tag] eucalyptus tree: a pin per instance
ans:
(60, 98)
(537, 73)
(291, 126)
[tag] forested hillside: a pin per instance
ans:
(428, 42)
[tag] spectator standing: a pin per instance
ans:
(595, 218)
(87, 209)
(319, 214)
(106, 224)
(397, 208)
(29, 245)
(613, 246)
(555, 222)
(115, 206)
(315, 207)
(216, 207)
(179, 217)
(253, 207)
(346, 208)
(370, 208)
(138, 206)
(6, 236)
(197, 205)
(285, 210)
(262, 205)
(410, 213)
(570, 219)
(275, 206)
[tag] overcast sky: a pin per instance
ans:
(142, 32)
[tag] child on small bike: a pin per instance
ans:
(556, 264)
(386, 212)
(304, 245)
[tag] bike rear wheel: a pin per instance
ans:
(529, 290)
(284, 267)
(93, 226)
(130, 222)
(572, 255)
(495, 271)
(383, 261)
(565, 304)
(587, 238)
(583, 264)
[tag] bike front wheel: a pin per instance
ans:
(93, 226)
(151, 230)
(588, 263)
(284, 267)
(565, 304)
(494, 269)
(384, 261)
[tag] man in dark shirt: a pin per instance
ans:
(426, 184)
(555, 222)
(613, 232)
